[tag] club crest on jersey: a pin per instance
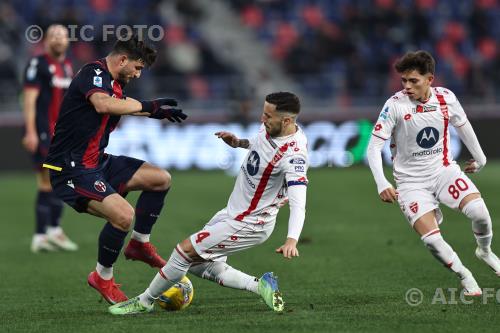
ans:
(424, 108)
(97, 81)
(100, 186)
(427, 137)
(253, 163)
(414, 207)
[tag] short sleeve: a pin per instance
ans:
(295, 167)
(33, 74)
(386, 121)
(92, 79)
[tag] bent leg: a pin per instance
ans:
(426, 226)
(155, 183)
(119, 214)
(474, 208)
(174, 270)
(225, 275)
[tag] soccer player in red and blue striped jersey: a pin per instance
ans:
(46, 79)
(91, 181)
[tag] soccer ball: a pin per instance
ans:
(178, 297)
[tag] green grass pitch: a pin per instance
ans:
(357, 259)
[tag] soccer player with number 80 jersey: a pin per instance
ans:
(417, 120)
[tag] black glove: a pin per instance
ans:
(161, 108)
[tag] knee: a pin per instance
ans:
(477, 211)
(123, 218)
(188, 249)
(163, 181)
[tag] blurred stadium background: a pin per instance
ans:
(219, 58)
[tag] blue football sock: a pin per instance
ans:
(148, 210)
(56, 209)
(110, 244)
(42, 212)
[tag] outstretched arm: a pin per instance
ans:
(104, 103)
(161, 108)
(468, 137)
(232, 140)
(374, 154)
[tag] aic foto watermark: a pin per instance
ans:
(88, 33)
(450, 296)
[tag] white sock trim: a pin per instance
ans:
(146, 299)
(55, 231)
(143, 238)
(104, 272)
(432, 232)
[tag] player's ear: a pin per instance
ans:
(287, 120)
(431, 79)
(123, 60)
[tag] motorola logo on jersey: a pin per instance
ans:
(253, 163)
(427, 137)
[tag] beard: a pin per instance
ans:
(123, 79)
(274, 131)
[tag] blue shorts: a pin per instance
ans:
(78, 187)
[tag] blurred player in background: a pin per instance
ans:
(417, 120)
(91, 181)
(274, 173)
(45, 81)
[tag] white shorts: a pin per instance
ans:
(222, 236)
(449, 187)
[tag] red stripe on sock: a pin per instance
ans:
(182, 254)
(163, 275)
(437, 231)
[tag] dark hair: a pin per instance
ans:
(422, 61)
(284, 101)
(135, 49)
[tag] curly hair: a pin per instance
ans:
(135, 49)
(421, 61)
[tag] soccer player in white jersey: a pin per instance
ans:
(417, 121)
(272, 174)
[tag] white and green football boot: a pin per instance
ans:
(268, 289)
(131, 306)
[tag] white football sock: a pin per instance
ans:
(443, 252)
(143, 238)
(175, 269)
(104, 272)
(225, 275)
(481, 222)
